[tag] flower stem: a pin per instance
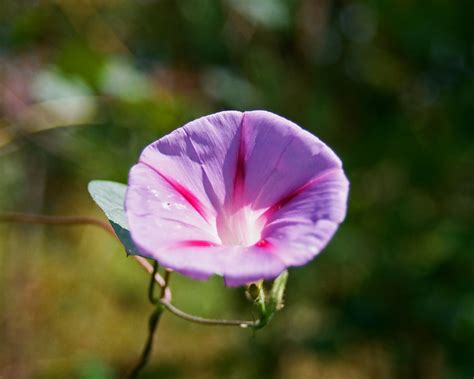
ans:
(154, 318)
(206, 321)
(149, 268)
(151, 286)
(145, 357)
(26, 218)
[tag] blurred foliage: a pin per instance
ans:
(86, 84)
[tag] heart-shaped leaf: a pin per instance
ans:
(110, 197)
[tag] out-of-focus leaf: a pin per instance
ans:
(124, 81)
(110, 197)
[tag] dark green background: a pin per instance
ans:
(86, 84)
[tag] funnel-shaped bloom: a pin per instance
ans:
(242, 195)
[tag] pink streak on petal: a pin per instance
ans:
(304, 226)
(239, 179)
(287, 198)
(195, 243)
(264, 244)
(183, 191)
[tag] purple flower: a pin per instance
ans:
(241, 195)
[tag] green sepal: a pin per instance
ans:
(269, 304)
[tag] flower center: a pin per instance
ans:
(239, 228)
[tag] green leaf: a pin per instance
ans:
(110, 197)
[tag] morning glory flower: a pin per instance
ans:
(241, 195)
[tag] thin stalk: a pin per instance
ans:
(153, 321)
(164, 290)
(206, 321)
(26, 218)
(151, 286)
(145, 357)
(149, 268)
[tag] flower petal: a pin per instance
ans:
(195, 194)
(165, 227)
(158, 215)
(201, 156)
(247, 265)
(307, 218)
(238, 265)
(280, 157)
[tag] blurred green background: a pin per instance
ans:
(86, 84)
